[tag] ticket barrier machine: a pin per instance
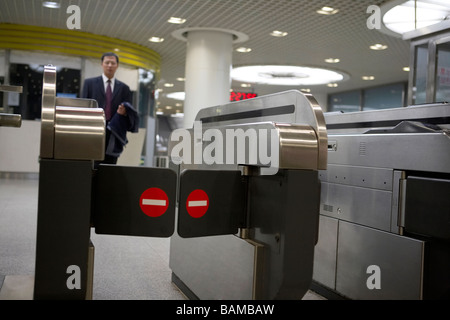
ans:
(385, 206)
(278, 205)
(267, 254)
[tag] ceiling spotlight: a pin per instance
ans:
(367, 78)
(277, 33)
(332, 60)
(176, 95)
(156, 39)
(406, 69)
(378, 46)
(327, 11)
(176, 20)
(168, 85)
(51, 4)
(332, 85)
(243, 49)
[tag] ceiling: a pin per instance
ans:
(311, 37)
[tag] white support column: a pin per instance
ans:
(208, 67)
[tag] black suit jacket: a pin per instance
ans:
(94, 88)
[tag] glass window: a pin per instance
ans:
(30, 77)
(442, 73)
(384, 97)
(346, 101)
(420, 75)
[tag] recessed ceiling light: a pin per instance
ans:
(51, 4)
(332, 60)
(246, 85)
(181, 79)
(243, 49)
(332, 85)
(177, 95)
(406, 69)
(327, 11)
(176, 20)
(168, 107)
(368, 78)
(286, 75)
(156, 39)
(168, 85)
(305, 90)
(277, 33)
(378, 46)
(415, 14)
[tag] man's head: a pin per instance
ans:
(110, 63)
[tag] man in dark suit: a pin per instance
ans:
(110, 94)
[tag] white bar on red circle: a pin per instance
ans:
(153, 202)
(202, 203)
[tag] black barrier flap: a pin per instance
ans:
(134, 201)
(210, 203)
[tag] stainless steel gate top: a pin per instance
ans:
(289, 126)
(70, 128)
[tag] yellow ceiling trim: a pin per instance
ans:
(10, 42)
(74, 42)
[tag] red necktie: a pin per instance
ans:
(108, 101)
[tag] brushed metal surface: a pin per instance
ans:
(367, 177)
(48, 112)
(297, 119)
(71, 129)
(79, 133)
(218, 268)
(408, 151)
(325, 252)
(369, 207)
(400, 261)
(362, 121)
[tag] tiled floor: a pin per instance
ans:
(125, 268)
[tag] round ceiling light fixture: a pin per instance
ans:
(286, 75)
(402, 16)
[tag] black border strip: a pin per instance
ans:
(251, 114)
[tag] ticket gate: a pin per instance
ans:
(272, 206)
(267, 254)
(385, 206)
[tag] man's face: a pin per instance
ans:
(109, 65)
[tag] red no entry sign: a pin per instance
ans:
(154, 202)
(197, 203)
